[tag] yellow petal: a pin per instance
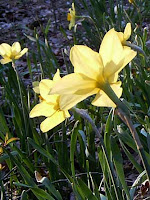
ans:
(1, 150)
(5, 49)
(111, 50)
(86, 61)
(36, 87)
(21, 53)
(74, 84)
(73, 7)
(68, 101)
(103, 100)
(66, 113)
(53, 99)
(52, 121)
(45, 87)
(1, 167)
(110, 70)
(2, 51)
(57, 76)
(11, 140)
(42, 109)
(16, 48)
(5, 61)
(127, 31)
(6, 137)
(128, 55)
(121, 36)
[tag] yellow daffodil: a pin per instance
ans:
(94, 71)
(71, 16)
(10, 53)
(126, 35)
(131, 1)
(1, 167)
(49, 105)
(6, 142)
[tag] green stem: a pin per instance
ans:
(135, 47)
(140, 148)
(86, 116)
(111, 94)
(18, 81)
(123, 113)
(90, 18)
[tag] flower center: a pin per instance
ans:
(69, 17)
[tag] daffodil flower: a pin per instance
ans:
(131, 1)
(126, 35)
(6, 142)
(71, 16)
(93, 72)
(1, 167)
(49, 105)
(11, 53)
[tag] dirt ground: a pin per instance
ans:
(23, 16)
(19, 18)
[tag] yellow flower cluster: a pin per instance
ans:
(92, 72)
(11, 53)
(49, 105)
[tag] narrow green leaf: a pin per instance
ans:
(48, 155)
(73, 147)
(51, 188)
(119, 165)
(88, 194)
(24, 195)
(5, 156)
(22, 185)
(41, 193)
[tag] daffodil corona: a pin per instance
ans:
(71, 16)
(49, 105)
(93, 72)
(11, 53)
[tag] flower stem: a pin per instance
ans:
(20, 93)
(90, 18)
(123, 113)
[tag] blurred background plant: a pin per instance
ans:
(69, 162)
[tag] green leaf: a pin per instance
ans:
(73, 147)
(131, 158)
(5, 156)
(41, 193)
(49, 156)
(46, 182)
(24, 195)
(22, 185)
(87, 193)
(119, 165)
(3, 124)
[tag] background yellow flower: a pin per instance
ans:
(49, 105)
(10, 53)
(71, 16)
